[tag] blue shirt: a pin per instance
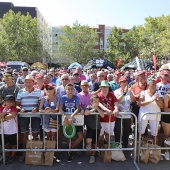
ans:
(69, 105)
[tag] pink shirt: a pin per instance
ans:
(84, 99)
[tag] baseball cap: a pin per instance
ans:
(104, 83)
(8, 74)
(9, 97)
(117, 73)
(122, 79)
(50, 85)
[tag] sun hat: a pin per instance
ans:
(104, 83)
(29, 77)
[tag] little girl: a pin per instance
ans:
(8, 112)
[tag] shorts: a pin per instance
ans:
(91, 133)
(10, 139)
(79, 129)
(165, 118)
(105, 128)
(50, 130)
(25, 124)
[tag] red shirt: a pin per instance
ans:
(13, 109)
(108, 102)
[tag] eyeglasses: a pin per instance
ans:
(64, 79)
(25, 70)
(50, 88)
(101, 76)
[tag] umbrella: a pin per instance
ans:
(74, 65)
(99, 63)
(165, 66)
(39, 65)
(144, 65)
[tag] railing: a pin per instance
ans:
(79, 121)
(154, 145)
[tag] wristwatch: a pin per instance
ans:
(124, 93)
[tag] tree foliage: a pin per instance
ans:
(19, 38)
(77, 43)
(142, 41)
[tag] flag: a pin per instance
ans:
(154, 61)
(119, 61)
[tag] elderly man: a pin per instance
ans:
(28, 100)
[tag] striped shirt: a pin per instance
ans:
(29, 100)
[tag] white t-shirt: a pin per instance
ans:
(162, 88)
(10, 126)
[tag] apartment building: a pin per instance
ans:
(45, 31)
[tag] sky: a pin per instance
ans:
(119, 13)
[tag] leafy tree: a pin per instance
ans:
(77, 43)
(20, 38)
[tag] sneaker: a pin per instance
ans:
(92, 159)
(70, 157)
(166, 155)
(88, 146)
(167, 142)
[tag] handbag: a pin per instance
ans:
(53, 123)
(117, 155)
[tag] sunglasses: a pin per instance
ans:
(105, 101)
(7, 76)
(50, 88)
(76, 75)
(64, 79)
(100, 76)
(25, 70)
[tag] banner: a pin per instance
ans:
(119, 61)
(154, 61)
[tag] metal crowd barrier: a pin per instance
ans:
(79, 121)
(154, 147)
